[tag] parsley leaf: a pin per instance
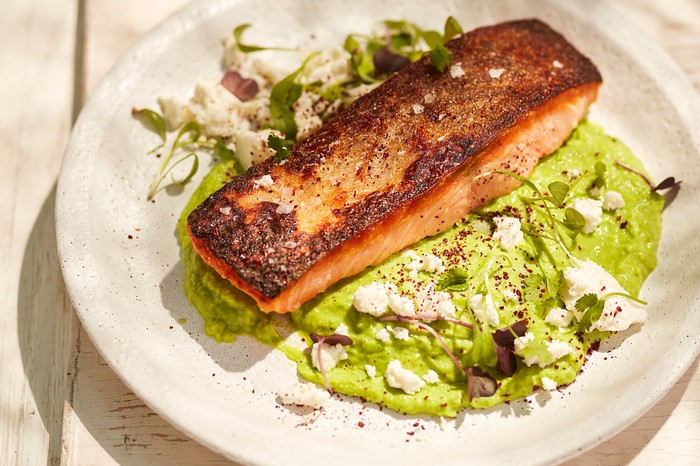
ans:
(441, 57)
(454, 279)
(282, 147)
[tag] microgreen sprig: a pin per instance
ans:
(331, 340)
(245, 48)
(667, 183)
(592, 306)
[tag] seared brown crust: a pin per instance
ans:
(383, 153)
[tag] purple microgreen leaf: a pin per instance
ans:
(504, 340)
(387, 62)
(668, 183)
(479, 383)
(337, 339)
(243, 88)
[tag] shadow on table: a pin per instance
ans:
(44, 318)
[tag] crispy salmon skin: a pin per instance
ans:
(400, 163)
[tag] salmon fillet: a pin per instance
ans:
(399, 164)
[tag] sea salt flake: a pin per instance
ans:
(557, 64)
(496, 73)
(456, 70)
(418, 109)
(225, 210)
(284, 208)
(264, 182)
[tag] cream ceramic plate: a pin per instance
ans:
(128, 294)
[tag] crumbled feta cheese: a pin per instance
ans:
(456, 70)
(175, 111)
(557, 64)
(559, 317)
(507, 231)
(431, 302)
(548, 384)
(431, 376)
(427, 262)
(252, 148)
(383, 335)
(591, 210)
(404, 379)
(401, 305)
(400, 333)
(264, 182)
(496, 73)
(521, 342)
(613, 200)
(558, 349)
(588, 277)
(510, 295)
(225, 210)
(305, 116)
(305, 394)
(418, 109)
(342, 329)
(484, 309)
(330, 66)
(284, 208)
(371, 370)
(372, 299)
(330, 355)
(595, 192)
(574, 173)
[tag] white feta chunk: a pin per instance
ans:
(591, 210)
(175, 110)
(427, 262)
(371, 370)
(305, 116)
(330, 355)
(559, 317)
(404, 379)
(401, 305)
(400, 333)
(372, 299)
(305, 394)
(521, 342)
(431, 376)
(619, 313)
(510, 295)
(548, 384)
(383, 335)
(431, 302)
(252, 148)
(613, 201)
(484, 309)
(342, 329)
(508, 231)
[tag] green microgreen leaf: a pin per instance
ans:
(454, 279)
(432, 38)
(190, 174)
(573, 221)
(599, 181)
(558, 190)
(238, 33)
(441, 57)
(153, 121)
(452, 28)
(592, 307)
(282, 97)
(282, 147)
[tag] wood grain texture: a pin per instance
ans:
(44, 366)
(36, 59)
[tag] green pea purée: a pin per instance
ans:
(521, 281)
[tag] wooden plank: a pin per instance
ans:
(36, 87)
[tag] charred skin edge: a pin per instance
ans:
(235, 246)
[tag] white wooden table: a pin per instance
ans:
(59, 402)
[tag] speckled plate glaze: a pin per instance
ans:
(122, 266)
